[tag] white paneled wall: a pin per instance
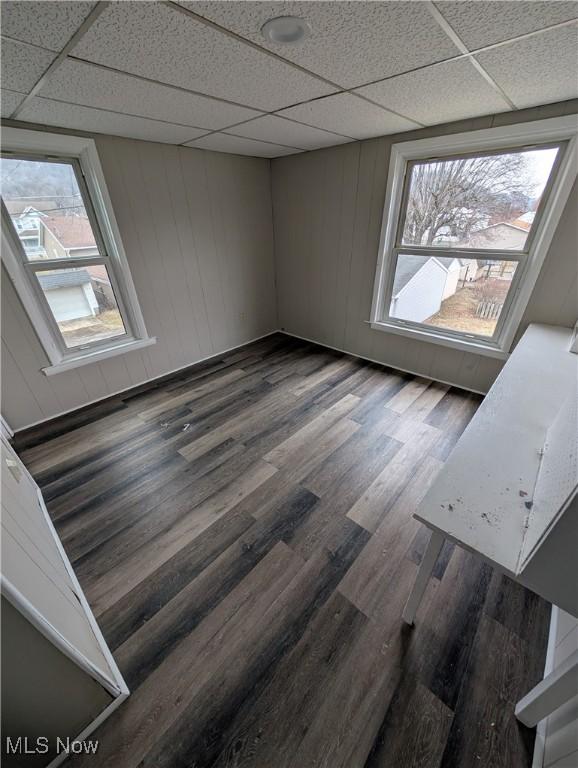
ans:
(561, 737)
(197, 227)
(327, 212)
(197, 230)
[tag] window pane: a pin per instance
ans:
(83, 304)
(46, 207)
(477, 202)
(465, 295)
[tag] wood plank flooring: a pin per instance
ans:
(244, 533)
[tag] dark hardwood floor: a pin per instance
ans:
(244, 534)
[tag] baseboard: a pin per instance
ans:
(381, 362)
(19, 432)
(41, 422)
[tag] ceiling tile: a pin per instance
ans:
(438, 94)
(538, 70)
(351, 43)
(159, 42)
(23, 65)
(46, 23)
(49, 112)
(94, 86)
(236, 145)
(10, 100)
(350, 116)
(276, 129)
(485, 22)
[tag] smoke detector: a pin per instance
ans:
(285, 30)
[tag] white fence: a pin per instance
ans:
(488, 310)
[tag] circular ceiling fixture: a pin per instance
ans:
(285, 30)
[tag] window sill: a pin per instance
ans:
(68, 364)
(465, 345)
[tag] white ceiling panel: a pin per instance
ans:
(10, 100)
(46, 23)
(485, 22)
(236, 145)
(350, 116)
(537, 70)
(94, 86)
(351, 43)
(159, 42)
(48, 112)
(23, 65)
(439, 93)
(276, 129)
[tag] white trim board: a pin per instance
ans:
(116, 685)
(119, 679)
(541, 728)
(96, 356)
(111, 680)
(47, 630)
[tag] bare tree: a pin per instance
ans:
(456, 197)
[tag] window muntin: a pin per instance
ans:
(63, 253)
(479, 201)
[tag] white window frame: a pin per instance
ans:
(83, 152)
(550, 131)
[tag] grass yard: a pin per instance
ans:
(458, 312)
(84, 330)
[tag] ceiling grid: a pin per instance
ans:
(367, 69)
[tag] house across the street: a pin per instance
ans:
(504, 235)
(72, 293)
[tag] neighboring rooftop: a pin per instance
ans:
(63, 279)
(27, 205)
(408, 266)
(525, 220)
(71, 231)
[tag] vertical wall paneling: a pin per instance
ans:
(347, 228)
(197, 227)
(120, 181)
(24, 407)
(555, 296)
(197, 230)
(30, 355)
(328, 206)
(561, 735)
(187, 255)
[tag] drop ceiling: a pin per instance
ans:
(200, 74)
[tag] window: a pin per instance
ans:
(62, 249)
(467, 223)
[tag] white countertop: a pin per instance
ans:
(483, 496)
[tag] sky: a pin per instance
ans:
(540, 162)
